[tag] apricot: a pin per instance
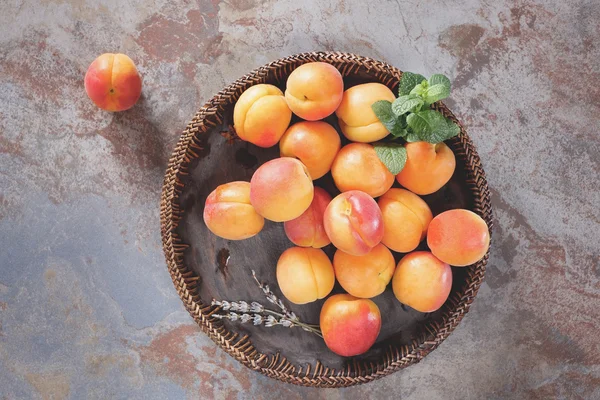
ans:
(304, 274)
(357, 120)
(229, 214)
(350, 325)
(422, 281)
(281, 189)
(113, 83)
(428, 167)
(261, 115)
(364, 276)
(357, 167)
(458, 237)
(314, 90)
(307, 230)
(315, 143)
(353, 222)
(405, 219)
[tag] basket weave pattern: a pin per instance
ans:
(186, 280)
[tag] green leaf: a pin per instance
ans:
(408, 82)
(453, 129)
(383, 111)
(439, 79)
(421, 123)
(413, 137)
(439, 88)
(399, 129)
(392, 155)
(395, 125)
(420, 90)
(399, 132)
(430, 126)
(408, 103)
(435, 93)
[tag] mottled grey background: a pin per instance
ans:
(87, 308)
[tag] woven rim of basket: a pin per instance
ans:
(241, 348)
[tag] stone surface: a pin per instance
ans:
(87, 308)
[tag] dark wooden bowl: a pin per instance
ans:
(204, 266)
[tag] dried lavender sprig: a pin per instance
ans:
(269, 321)
(295, 320)
(254, 307)
(273, 299)
(307, 327)
(256, 319)
(240, 306)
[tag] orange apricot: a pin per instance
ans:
(406, 218)
(281, 189)
(315, 143)
(350, 325)
(304, 274)
(229, 214)
(458, 237)
(364, 276)
(357, 120)
(314, 90)
(422, 281)
(428, 167)
(308, 230)
(353, 222)
(261, 115)
(113, 83)
(357, 167)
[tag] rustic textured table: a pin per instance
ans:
(87, 308)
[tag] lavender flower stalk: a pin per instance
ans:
(267, 320)
(259, 315)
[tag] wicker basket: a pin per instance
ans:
(392, 355)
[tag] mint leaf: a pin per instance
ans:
(399, 130)
(395, 125)
(430, 126)
(408, 82)
(421, 123)
(420, 90)
(452, 130)
(383, 111)
(392, 155)
(439, 79)
(413, 137)
(408, 103)
(435, 93)
(439, 88)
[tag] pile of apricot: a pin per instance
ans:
(365, 231)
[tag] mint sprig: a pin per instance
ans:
(411, 118)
